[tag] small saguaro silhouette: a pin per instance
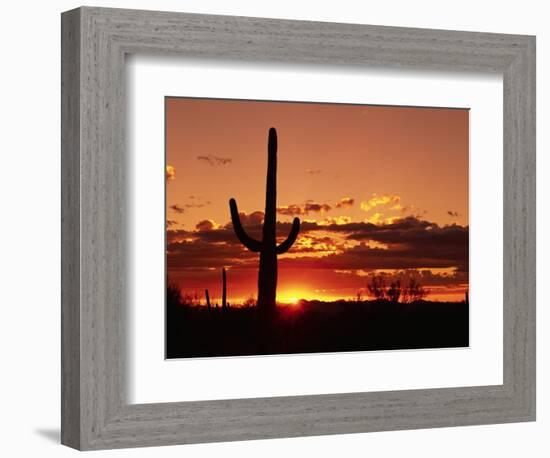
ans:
(267, 247)
(224, 289)
(207, 295)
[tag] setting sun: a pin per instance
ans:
(290, 297)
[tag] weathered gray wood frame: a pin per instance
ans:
(95, 413)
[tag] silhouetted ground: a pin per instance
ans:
(312, 327)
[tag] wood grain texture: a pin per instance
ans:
(95, 410)
(70, 229)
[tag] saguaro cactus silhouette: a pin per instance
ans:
(267, 247)
(224, 289)
(207, 295)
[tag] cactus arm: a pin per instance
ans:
(285, 246)
(244, 238)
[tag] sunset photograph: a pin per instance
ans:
(301, 227)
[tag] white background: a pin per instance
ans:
(29, 250)
(152, 379)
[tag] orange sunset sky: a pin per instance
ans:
(378, 189)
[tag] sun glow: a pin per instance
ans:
(291, 297)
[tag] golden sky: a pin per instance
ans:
(379, 189)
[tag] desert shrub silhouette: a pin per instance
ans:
(394, 291)
(173, 296)
(377, 287)
(412, 292)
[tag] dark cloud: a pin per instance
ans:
(345, 202)
(311, 206)
(308, 207)
(173, 235)
(215, 160)
(408, 243)
(424, 276)
(364, 257)
(291, 210)
(412, 232)
(200, 205)
(220, 235)
(199, 254)
(314, 207)
(411, 242)
(197, 203)
(252, 219)
(177, 208)
(253, 223)
(205, 225)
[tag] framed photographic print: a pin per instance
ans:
(334, 256)
(338, 218)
